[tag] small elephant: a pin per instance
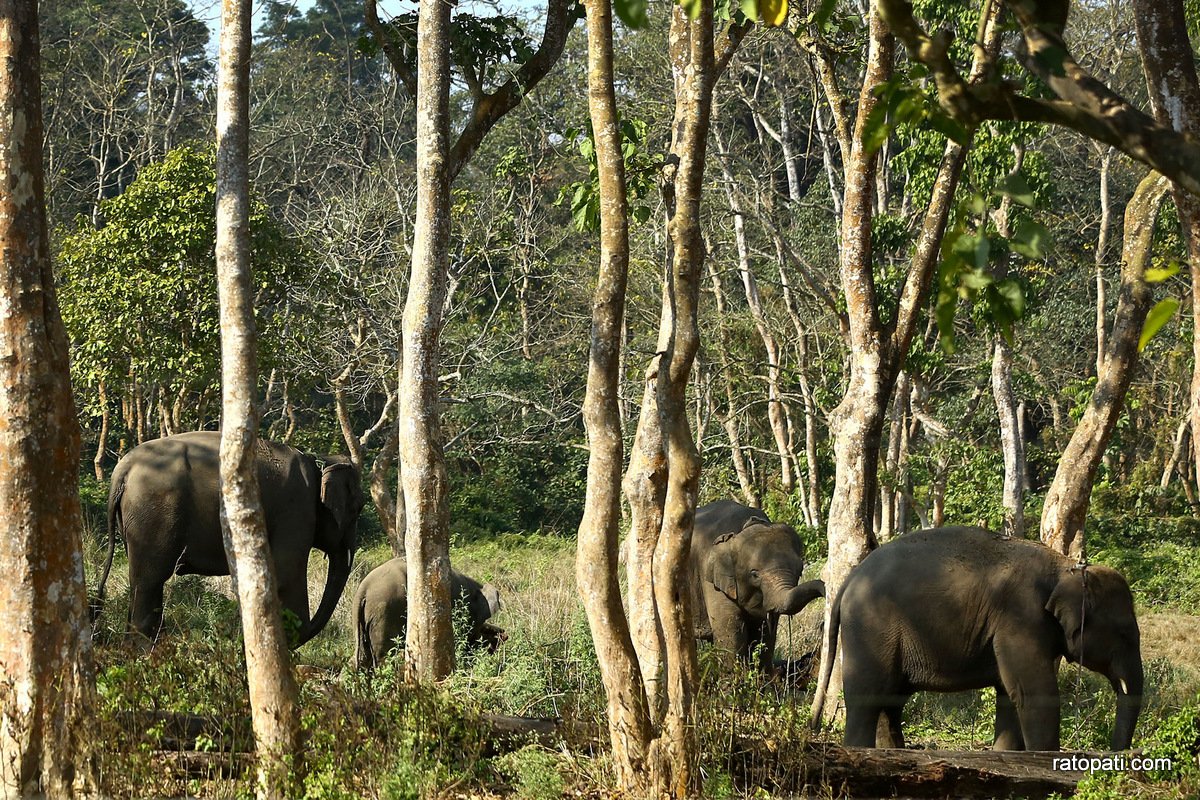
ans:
(165, 500)
(381, 612)
(745, 574)
(959, 608)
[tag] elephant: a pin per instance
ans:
(745, 573)
(380, 612)
(957, 608)
(164, 498)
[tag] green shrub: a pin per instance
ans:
(533, 771)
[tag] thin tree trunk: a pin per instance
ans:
(729, 419)
(102, 439)
(1011, 444)
(273, 689)
(629, 722)
(47, 691)
(812, 466)
(1069, 495)
(1101, 256)
(890, 492)
(429, 648)
(1176, 454)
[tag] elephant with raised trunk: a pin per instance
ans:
(165, 501)
(959, 608)
(745, 575)
(380, 612)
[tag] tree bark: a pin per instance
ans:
(102, 438)
(629, 723)
(47, 692)
(1069, 495)
(729, 419)
(429, 644)
(1174, 90)
(273, 689)
(1101, 256)
(1011, 444)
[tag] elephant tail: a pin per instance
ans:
(362, 636)
(114, 523)
(828, 654)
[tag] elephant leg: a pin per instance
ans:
(145, 600)
(730, 631)
(862, 723)
(887, 729)
(1008, 723)
(1029, 678)
(764, 640)
(292, 574)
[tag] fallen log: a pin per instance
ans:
(868, 772)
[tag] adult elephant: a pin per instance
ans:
(950, 609)
(745, 575)
(165, 500)
(380, 611)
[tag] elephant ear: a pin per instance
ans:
(721, 567)
(1066, 604)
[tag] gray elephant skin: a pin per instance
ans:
(958, 608)
(746, 574)
(380, 612)
(164, 500)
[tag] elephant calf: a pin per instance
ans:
(951, 609)
(381, 612)
(745, 573)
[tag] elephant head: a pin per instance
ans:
(759, 568)
(1094, 607)
(340, 502)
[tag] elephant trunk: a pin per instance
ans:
(793, 599)
(335, 582)
(1127, 680)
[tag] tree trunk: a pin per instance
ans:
(596, 560)
(812, 465)
(102, 439)
(1070, 493)
(1011, 444)
(1174, 90)
(1176, 454)
(47, 692)
(429, 648)
(1101, 257)
(273, 690)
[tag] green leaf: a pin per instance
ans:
(949, 127)
(1160, 274)
(750, 9)
(876, 129)
(824, 11)
(1159, 315)
(974, 249)
(692, 8)
(1016, 188)
(633, 12)
(1031, 239)
(1013, 296)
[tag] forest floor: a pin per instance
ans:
(375, 737)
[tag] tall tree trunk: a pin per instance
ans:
(629, 723)
(273, 690)
(429, 644)
(102, 439)
(1102, 256)
(812, 464)
(1175, 456)
(1069, 495)
(47, 691)
(891, 492)
(1011, 444)
(1169, 64)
